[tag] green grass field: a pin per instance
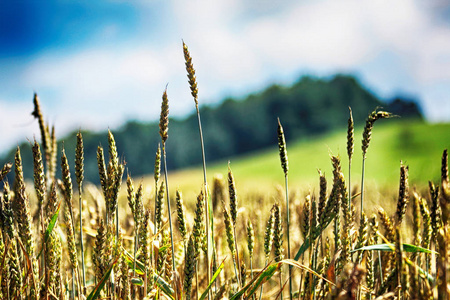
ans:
(418, 144)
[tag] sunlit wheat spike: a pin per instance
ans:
(436, 219)
(52, 204)
(373, 227)
(232, 195)
(125, 293)
(139, 210)
(268, 235)
(180, 214)
(99, 255)
(426, 219)
(189, 267)
(243, 273)
(313, 216)
(403, 194)
(67, 180)
(190, 73)
(282, 148)
(23, 218)
(113, 195)
(144, 235)
(113, 156)
(387, 224)
(322, 196)
(71, 246)
(22, 210)
(305, 216)
(53, 246)
(39, 176)
(102, 169)
(131, 196)
(198, 228)
(278, 233)
(350, 134)
(370, 267)
(52, 156)
(53, 263)
(159, 206)
(362, 236)
(250, 238)
(15, 272)
(157, 172)
(229, 231)
(345, 255)
(416, 218)
(164, 118)
(5, 170)
(6, 212)
(367, 133)
(37, 113)
(79, 160)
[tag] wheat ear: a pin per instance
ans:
(367, 135)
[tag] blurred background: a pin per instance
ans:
(104, 64)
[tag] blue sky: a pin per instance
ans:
(96, 64)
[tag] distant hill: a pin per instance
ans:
(308, 107)
(419, 145)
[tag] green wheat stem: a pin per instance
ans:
(236, 272)
(209, 230)
(362, 183)
(288, 239)
(349, 185)
(209, 220)
(169, 210)
(236, 256)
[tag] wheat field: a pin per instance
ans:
(64, 238)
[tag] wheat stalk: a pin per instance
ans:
(163, 131)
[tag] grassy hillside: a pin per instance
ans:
(416, 143)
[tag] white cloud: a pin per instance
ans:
(239, 45)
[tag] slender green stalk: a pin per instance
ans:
(163, 130)
(284, 164)
(168, 208)
(362, 183)
(278, 239)
(194, 91)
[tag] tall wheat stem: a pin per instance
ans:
(194, 91)
(362, 184)
(169, 210)
(209, 230)
(284, 164)
(288, 240)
